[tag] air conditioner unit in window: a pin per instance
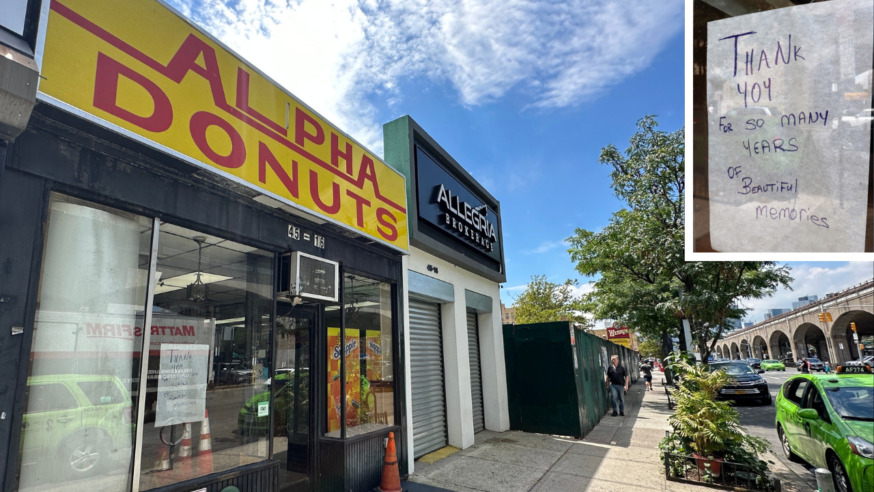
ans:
(305, 275)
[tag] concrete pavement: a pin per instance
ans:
(620, 453)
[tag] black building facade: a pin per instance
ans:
(192, 297)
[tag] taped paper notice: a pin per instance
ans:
(789, 116)
(182, 383)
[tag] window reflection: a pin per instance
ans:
(369, 387)
(208, 356)
(77, 428)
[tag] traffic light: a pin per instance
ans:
(853, 325)
(828, 316)
(821, 317)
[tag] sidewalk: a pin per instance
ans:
(620, 453)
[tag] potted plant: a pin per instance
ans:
(707, 428)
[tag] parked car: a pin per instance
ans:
(76, 423)
(828, 421)
(745, 384)
(815, 364)
(772, 365)
(754, 362)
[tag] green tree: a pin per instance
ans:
(651, 348)
(544, 301)
(645, 281)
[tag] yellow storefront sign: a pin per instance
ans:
(625, 342)
(139, 67)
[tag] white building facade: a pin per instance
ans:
(454, 357)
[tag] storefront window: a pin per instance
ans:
(206, 397)
(78, 422)
(208, 401)
(367, 346)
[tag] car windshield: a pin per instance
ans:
(813, 360)
(769, 361)
(852, 403)
(734, 369)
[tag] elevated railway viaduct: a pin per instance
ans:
(822, 329)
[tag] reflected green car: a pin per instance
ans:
(772, 365)
(254, 423)
(76, 423)
(828, 421)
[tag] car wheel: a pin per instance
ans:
(839, 474)
(784, 443)
(84, 455)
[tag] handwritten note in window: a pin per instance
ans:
(790, 123)
(182, 383)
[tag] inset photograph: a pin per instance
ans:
(782, 127)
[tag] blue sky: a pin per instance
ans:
(523, 93)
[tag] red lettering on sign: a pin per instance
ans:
(336, 155)
(106, 95)
(360, 202)
(202, 120)
(243, 103)
(266, 158)
(387, 227)
(334, 207)
(185, 60)
(301, 135)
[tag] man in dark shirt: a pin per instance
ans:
(617, 378)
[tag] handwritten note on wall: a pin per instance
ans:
(182, 383)
(789, 105)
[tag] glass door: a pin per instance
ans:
(291, 387)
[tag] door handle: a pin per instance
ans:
(64, 419)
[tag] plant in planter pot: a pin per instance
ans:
(705, 427)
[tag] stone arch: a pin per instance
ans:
(843, 345)
(726, 351)
(781, 347)
(809, 341)
(745, 349)
(760, 348)
(735, 352)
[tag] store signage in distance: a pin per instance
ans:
(147, 73)
(614, 332)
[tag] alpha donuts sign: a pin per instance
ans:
(149, 74)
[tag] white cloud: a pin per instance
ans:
(338, 56)
(547, 246)
(516, 287)
(581, 290)
(811, 280)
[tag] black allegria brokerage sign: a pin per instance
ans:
(470, 222)
(449, 205)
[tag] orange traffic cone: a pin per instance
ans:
(204, 447)
(391, 479)
(183, 464)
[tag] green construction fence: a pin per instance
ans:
(555, 377)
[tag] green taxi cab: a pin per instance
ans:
(75, 424)
(772, 365)
(828, 421)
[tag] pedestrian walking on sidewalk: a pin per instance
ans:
(617, 379)
(647, 375)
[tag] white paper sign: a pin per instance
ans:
(789, 117)
(182, 383)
